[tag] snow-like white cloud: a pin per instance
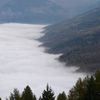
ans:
(23, 63)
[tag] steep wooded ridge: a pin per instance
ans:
(77, 39)
(31, 11)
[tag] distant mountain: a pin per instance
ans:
(77, 39)
(30, 11)
(42, 11)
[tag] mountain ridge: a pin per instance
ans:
(31, 11)
(74, 39)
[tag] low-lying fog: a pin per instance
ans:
(23, 62)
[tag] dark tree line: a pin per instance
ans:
(86, 89)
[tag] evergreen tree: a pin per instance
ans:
(71, 95)
(16, 94)
(40, 98)
(80, 90)
(47, 94)
(97, 85)
(86, 89)
(62, 96)
(90, 89)
(77, 92)
(27, 94)
(11, 97)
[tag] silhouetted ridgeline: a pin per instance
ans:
(86, 89)
(77, 39)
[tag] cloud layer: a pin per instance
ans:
(23, 63)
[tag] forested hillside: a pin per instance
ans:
(77, 39)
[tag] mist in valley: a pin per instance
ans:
(23, 62)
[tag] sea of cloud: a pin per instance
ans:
(23, 62)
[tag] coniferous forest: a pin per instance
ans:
(84, 89)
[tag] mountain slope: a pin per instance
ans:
(77, 39)
(30, 11)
